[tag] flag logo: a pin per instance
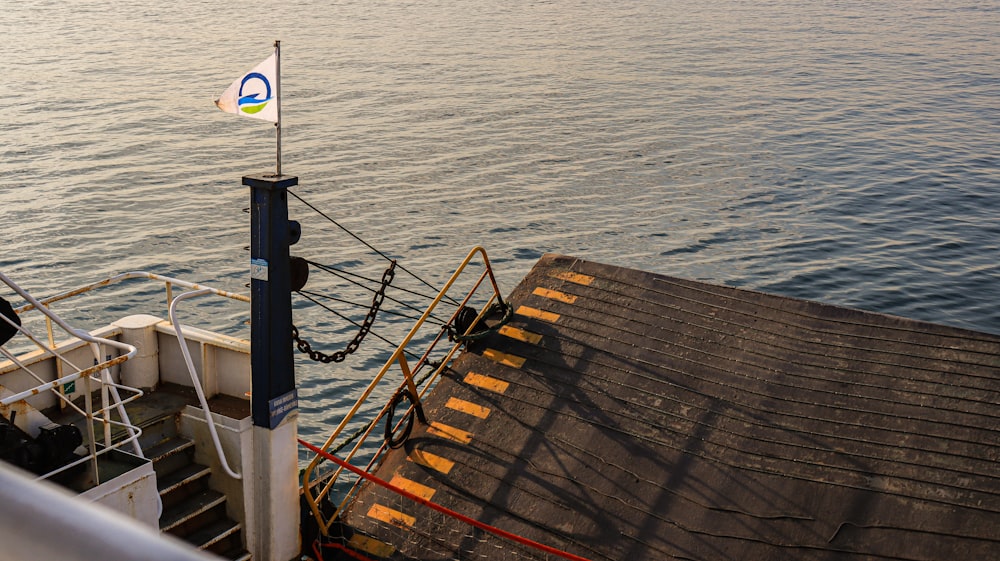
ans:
(255, 93)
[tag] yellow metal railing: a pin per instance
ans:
(318, 489)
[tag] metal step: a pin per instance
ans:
(221, 534)
(189, 510)
(194, 512)
(170, 456)
(185, 475)
(155, 430)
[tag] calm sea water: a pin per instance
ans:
(844, 151)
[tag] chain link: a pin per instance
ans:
(339, 356)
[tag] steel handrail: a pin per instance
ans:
(95, 343)
(196, 382)
(169, 281)
(397, 357)
(42, 307)
(426, 388)
(101, 414)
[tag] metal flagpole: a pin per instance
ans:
(277, 97)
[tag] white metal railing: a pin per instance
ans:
(110, 396)
(108, 386)
(170, 282)
(195, 381)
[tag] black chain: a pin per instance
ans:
(339, 356)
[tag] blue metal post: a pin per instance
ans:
(273, 393)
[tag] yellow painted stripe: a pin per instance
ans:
(371, 546)
(467, 407)
(417, 489)
(486, 382)
(433, 461)
(504, 358)
(390, 516)
(449, 432)
(520, 334)
(572, 277)
(555, 295)
(537, 314)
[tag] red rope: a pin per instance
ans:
(485, 527)
(342, 548)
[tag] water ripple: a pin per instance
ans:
(839, 152)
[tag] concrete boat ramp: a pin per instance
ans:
(626, 415)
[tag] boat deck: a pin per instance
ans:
(626, 415)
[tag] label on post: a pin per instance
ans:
(279, 407)
(258, 269)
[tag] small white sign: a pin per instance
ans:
(258, 269)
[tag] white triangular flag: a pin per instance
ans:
(255, 93)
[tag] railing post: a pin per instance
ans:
(273, 400)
